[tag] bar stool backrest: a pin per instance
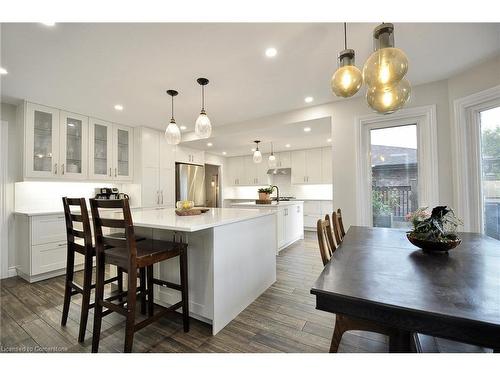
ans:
(102, 241)
(83, 218)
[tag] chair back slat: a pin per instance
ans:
(82, 217)
(336, 229)
(326, 245)
(105, 242)
(331, 233)
(341, 223)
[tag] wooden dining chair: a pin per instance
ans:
(343, 323)
(340, 223)
(131, 255)
(335, 228)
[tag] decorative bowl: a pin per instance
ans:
(432, 246)
(184, 205)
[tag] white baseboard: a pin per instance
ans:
(11, 272)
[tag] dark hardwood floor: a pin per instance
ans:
(283, 319)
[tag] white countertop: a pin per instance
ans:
(270, 206)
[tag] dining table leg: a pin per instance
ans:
(400, 342)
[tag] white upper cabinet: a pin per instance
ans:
(188, 155)
(283, 159)
(41, 151)
(100, 150)
(327, 165)
(307, 166)
(123, 152)
(235, 170)
(74, 140)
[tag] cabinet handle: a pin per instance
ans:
(109, 172)
(116, 173)
(157, 197)
(55, 168)
(61, 244)
(62, 169)
(162, 197)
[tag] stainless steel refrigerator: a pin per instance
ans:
(190, 183)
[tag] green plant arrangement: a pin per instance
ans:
(266, 190)
(434, 231)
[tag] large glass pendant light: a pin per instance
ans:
(347, 79)
(257, 155)
(272, 159)
(203, 127)
(387, 65)
(172, 132)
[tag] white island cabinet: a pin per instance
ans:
(231, 258)
(290, 220)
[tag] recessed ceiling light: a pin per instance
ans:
(271, 52)
(118, 107)
(224, 153)
(209, 144)
(48, 23)
(3, 71)
(183, 127)
(329, 140)
(308, 99)
(287, 145)
(307, 129)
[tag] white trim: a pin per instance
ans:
(467, 174)
(4, 229)
(428, 183)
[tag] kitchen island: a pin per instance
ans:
(231, 258)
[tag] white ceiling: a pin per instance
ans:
(88, 68)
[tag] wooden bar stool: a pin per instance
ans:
(80, 241)
(131, 255)
(343, 323)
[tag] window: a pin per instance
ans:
(490, 171)
(394, 175)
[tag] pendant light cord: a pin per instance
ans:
(202, 97)
(345, 35)
(172, 107)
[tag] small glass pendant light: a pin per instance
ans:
(347, 79)
(172, 132)
(257, 155)
(272, 159)
(203, 127)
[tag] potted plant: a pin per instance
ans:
(265, 193)
(435, 231)
(382, 212)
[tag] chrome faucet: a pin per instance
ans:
(277, 193)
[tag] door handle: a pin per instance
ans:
(55, 168)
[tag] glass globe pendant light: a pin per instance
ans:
(389, 98)
(172, 132)
(387, 65)
(347, 79)
(203, 127)
(257, 155)
(272, 159)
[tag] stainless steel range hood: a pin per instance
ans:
(279, 171)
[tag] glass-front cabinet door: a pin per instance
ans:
(42, 141)
(100, 150)
(74, 145)
(123, 152)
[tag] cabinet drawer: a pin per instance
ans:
(48, 257)
(312, 208)
(47, 229)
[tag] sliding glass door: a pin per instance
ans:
(490, 170)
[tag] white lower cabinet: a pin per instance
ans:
(315, 210)
(42, 247)
(290, 225)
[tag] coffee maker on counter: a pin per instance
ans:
(109, 193)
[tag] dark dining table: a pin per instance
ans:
(376, 274)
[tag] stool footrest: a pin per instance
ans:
(164, 311)
(167, 284)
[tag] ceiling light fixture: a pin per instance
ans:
(210, 144)
(172, 132)
(257, 155)
(384, 72)
(287, 145)
(308, 99)
(271, 52)
(3, 71)
(272, 159)
(347, 79)
(203, 127)
(307, 129)
(118, 107)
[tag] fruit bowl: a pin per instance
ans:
(433, 246)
